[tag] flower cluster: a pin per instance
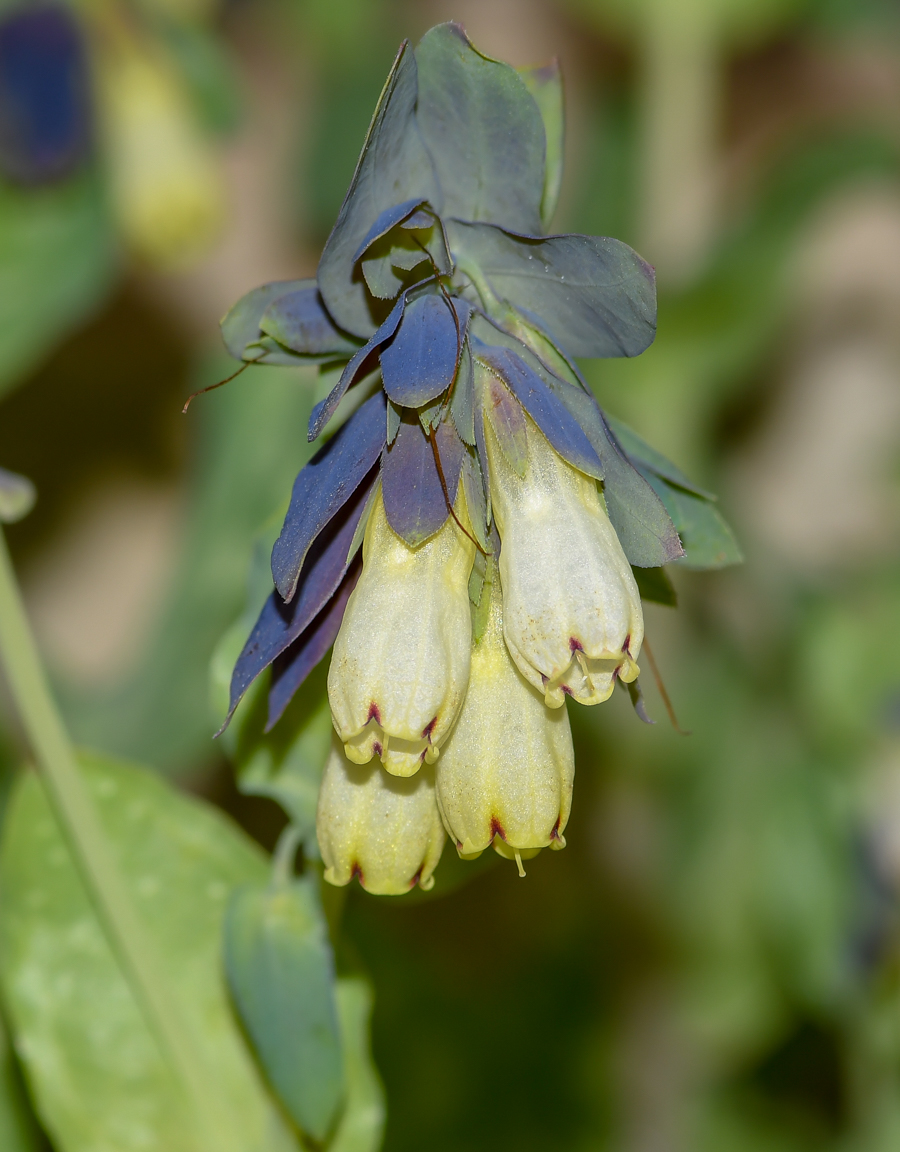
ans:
(498, 513)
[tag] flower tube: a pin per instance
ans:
(401, 659)
(384, 829)
(572, 612)
(505, 775)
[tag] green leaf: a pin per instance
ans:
(18, 1129)
(93, 1066)
(708, 541)
(249, 337)
(393, 166)
(654, 584)
(643, 456)
(281, 971)
(483, 130)
(17, 496)
(57, 264)
(361, 1126)
(546, 86)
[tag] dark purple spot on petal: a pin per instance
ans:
(554, 835)
(418, 876)
(497, 829)
(356, 872)
(374, 713)
(625, 646)
(575, 644)
(429, 728)
(567, 691)
(377, 749)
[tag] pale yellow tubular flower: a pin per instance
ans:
(505, 775)
(572, 612)
(401, 659)
(167, 190)
(384, 829)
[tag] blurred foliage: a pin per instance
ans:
(713, 962)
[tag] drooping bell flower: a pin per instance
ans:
(401, 659)
(505, 775)
(572, 612)
(447, 320)
(384, 829)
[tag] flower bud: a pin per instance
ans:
(505, 775)
(401, 659)
(384, 829)
(166, 190)
(572, 613)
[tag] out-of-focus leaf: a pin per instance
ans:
(595, 295)
(545, 84)
(654, 584)
(209, 70)
(57, 264)
(95, 1071)
(17, 496)
(420, 361)
(281, 972)
(393, 167)
(361, 1125)
(483, 130)
(414, 500)
(324, 486)
(298, 320)
(18, 1129)
(707, 539)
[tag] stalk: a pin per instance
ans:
(84, 833)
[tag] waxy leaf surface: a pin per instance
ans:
(414, 499)
(280, 623)
(483, 130)
(546, 86)
(324, 485)
(643, 456)
(240, 325)
(299, 321)
(420, 362)
(293, 666)
(280, 970)
(393, 167)
(326, 408)
(708, 540)
(595, 295)
(387, 220)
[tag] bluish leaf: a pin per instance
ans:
(546, 86)
(546, 409)
(483, 130)
(299, 321)
(324, 486)
(240, 324)
(280, 970)
(420, 362)
(481, 379)
(390, 259)
(393, 167)
(642, 455)
(280, 623)
(414, 499)
(293, 666)
(595, 295)
(323, 411)
(390, 218)
(393, 422)
(476, 504)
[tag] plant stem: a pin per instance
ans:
(81, 826)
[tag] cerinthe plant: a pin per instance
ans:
(499, 514)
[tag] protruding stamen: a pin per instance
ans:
(520, 866)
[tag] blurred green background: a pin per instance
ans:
(714, 961)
